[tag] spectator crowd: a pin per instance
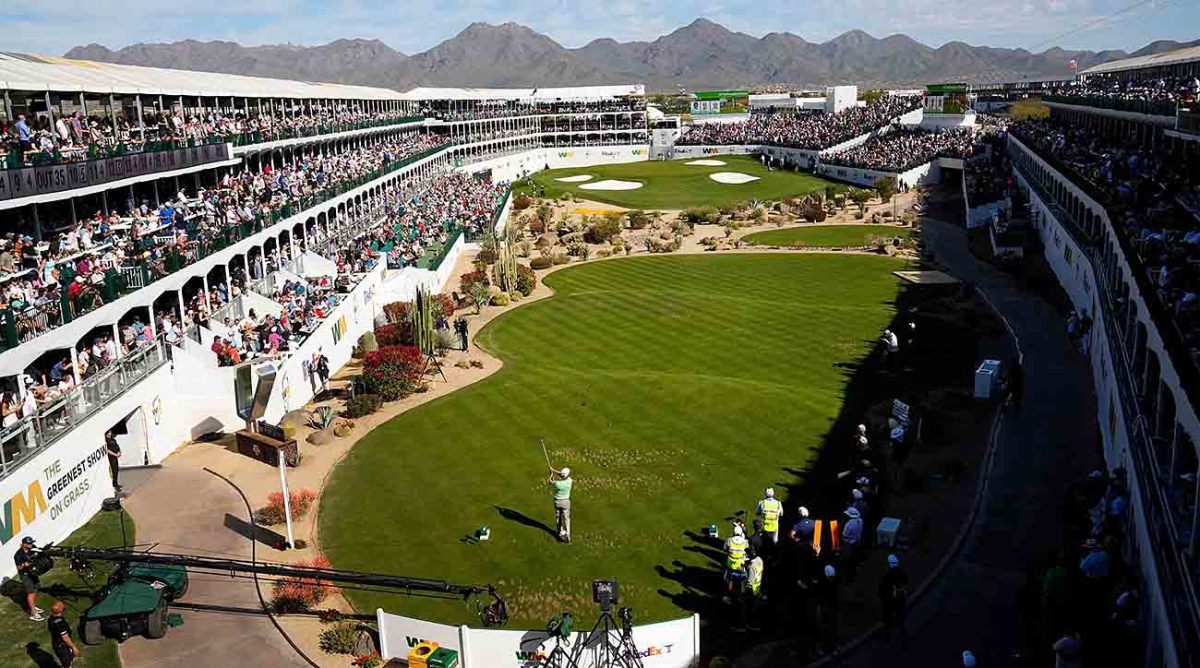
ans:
(902, 149)
(64, 137)
(34, 276)
(810, 132)
(1152, 196)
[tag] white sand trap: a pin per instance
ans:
(732, 178)
(611, 184)
(706, 163)
(580, 178)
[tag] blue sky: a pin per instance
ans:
(52, 28)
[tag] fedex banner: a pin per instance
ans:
(673, 644)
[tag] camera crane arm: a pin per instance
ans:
(401, 584)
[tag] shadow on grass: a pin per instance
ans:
(951, 327)
(525, 520)
(40, 657)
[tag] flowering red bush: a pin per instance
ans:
(301, 594)
(272, 513)
(471, 278)
(394, 334)
(393, 372)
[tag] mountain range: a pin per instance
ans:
(702, 54)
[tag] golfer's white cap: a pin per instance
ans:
(856, 494)
(968, 659)
(565, 472)
(830, 571)
(738, 531)
(893, 560)
(770, 492)
(862, 428)
(803, 511)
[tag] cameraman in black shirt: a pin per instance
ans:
(29, 577)
(60, 635)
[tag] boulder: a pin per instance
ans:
(320, 437)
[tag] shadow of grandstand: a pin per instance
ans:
(938, 354)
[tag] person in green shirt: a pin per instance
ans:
(560, 482)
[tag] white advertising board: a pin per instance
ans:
(672, 644)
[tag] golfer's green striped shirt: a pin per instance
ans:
(562, 489)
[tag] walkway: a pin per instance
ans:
(1039, 451)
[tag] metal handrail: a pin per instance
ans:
(53, 421)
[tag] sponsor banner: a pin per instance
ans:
(673, 644)
(48, 497)
(30, 181)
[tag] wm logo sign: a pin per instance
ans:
(21, 510)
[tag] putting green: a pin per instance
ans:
(676, 388)
(677, 185)
(826, 236)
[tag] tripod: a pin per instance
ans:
(608, 645)
(431, 361)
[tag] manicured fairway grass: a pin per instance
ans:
(676, 388)
(676, 185)
(16, 629)
(826, 236)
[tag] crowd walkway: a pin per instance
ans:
(1040, 450)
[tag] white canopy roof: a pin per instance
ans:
(1176, 57)
(534, 94)
(20, 71)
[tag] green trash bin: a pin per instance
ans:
(443, 657)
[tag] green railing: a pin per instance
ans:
(15, 160)
(20, 325)
(259, 137)
(436, 262)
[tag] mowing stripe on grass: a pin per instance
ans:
(675, 387)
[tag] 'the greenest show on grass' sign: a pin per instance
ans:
(52, 491)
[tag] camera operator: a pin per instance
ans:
(29, 577)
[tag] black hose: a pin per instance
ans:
(254, 560)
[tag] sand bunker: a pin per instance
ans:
(580, 178)
(706, 163)
(732, 178)
(611, 184)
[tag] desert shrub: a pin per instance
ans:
(294, 594)
(271, 514)
(543, 262)
(638, 220)
(392, 334)
(396, 311)
(537, 225)
(759, 215)
(393, 372)
(367, 343)
(500, 299)
(443, 306)
(486, 255)
(525, 248)
(446, 339)
(339, 638)
(470, 278)
(603, 253)
(526, 280)
(560, 258)
(362, 405)
(859, 215)
(479, 295)
(602, 229)
(522, 201)
(702, 214)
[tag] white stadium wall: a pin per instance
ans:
(519, 165)
(930, 172)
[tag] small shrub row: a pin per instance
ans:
(362, 405)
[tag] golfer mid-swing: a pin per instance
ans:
(560, 481)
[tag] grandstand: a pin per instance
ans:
(160, 231)
(148, 213)
(1110, 182)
